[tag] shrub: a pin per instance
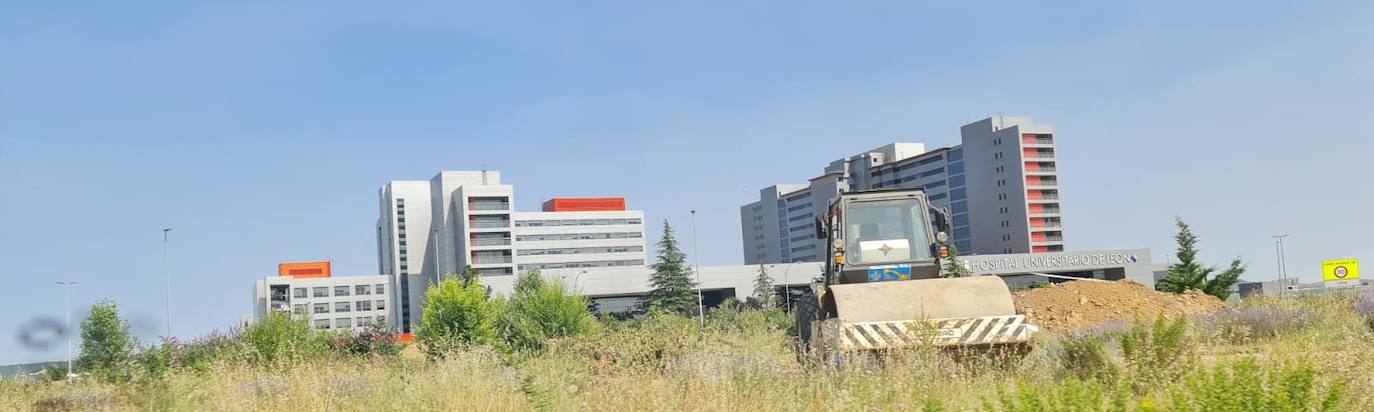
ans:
(1157, 354)
(1364, 306)
(200, 353)
(154, 362)
(456, 314)
(106, 347)
(1259, 322)
(1243, 385)
(1085, 357)
(540, 311)
(279, 340)
(372, 341)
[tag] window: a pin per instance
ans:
(939, 196)
(380, 288)
(342, 306)
(321, 323)
(364, 320)
(956, 168)
(381, 305)
(300, 292)
(321, 292)
(956, 181)
(958, 207)
(343, 323)
(298, 309)
(872, 228)
(956, 155)
(364, 305)
(381, 318)
(960, 220)
(361, 290)
(321, 308)
(958, 194)
(341, 291)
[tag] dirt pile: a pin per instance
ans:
(1072, 305)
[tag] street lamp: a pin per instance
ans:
(66, 287)
(696, 258)
(167, 273)
(1278, 252)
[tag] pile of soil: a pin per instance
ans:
(1073, 305)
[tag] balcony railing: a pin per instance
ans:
(1038, 141)
(1048, 210)
(486, 260)
(1041, 169)
(488, 206)
(1038, 154)
(489, 223)
(491, 242)
(1042, 182)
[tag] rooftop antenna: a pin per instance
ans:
(1000, 122)
(484, 175)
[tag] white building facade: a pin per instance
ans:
(459, 219)
(334, 303)
(1000, 186)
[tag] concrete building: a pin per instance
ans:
(579, 233)
(463, 218)
(405, 255)
(309, 290)
(1000, 186)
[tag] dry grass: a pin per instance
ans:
(665, 364)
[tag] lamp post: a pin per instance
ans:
(66, 287)
(1278, 252)
(167, 274)
(696, 258)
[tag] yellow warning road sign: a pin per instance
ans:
(1340, 269)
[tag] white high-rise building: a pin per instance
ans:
(403, 247)
(429, 230)
(1000, 186)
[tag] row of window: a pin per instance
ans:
(340, 307)
(908, 166)
(799, 197)
(596, 264)
(580, 236)
(799, 207)
(579, 250)
(347, 323)
(323, 291)
(577, 222)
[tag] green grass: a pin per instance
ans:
(744, 361)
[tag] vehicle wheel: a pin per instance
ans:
(806, 309)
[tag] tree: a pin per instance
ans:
(953, 268)
(763, 289)
(456, 313)
(106, 347)
(672, 286)
(1189, 273)
(541, 310)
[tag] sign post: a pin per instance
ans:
(1341, 272)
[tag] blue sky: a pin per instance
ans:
(261, 130)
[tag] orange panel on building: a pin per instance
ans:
(1040, 249)
(584, 204)
(1033, 180)
(305, 269)
(1036, 208)
(1032, 166)
(1039, 236)
(1034, 194)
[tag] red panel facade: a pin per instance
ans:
(584, 204)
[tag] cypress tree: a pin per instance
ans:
(673, 288)
(1189, 273)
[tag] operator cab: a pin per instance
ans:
(883, 236)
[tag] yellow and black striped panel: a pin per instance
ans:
(939, 332)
